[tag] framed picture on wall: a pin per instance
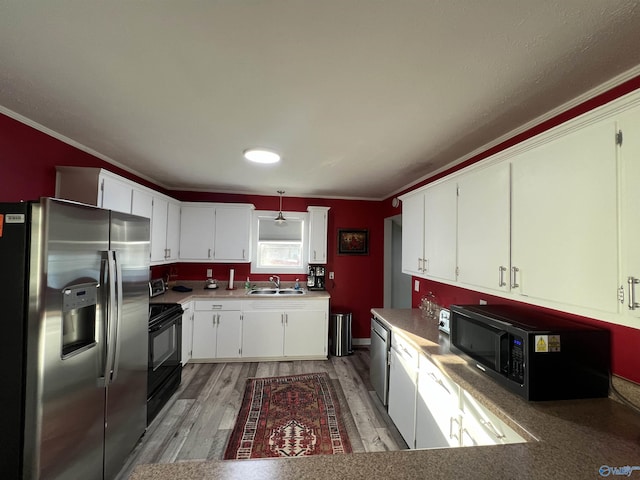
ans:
(353, 242)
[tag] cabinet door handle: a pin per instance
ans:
(514, 275)
(453, 420)
(631, 282)
(425, 262)
(286, 319)
(243, 257)
(419, 264)
(209, 254)
(501, 282)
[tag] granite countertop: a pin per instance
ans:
(568, 439)
(238, 293)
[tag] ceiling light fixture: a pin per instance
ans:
(261, 155)
(280, 218)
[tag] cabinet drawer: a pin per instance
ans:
(405, 350)
(208, 305)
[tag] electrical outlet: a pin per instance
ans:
(209, 273)
(416, 285)
(483, 302)
(330, 275)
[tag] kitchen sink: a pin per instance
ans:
(275, 291)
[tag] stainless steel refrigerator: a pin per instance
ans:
(73, 339)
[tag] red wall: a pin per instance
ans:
(28, 159)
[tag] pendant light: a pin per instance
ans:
(280, 218)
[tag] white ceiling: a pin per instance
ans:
(361, 97)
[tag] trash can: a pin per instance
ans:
(340, 334)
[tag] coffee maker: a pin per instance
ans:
(315, 277)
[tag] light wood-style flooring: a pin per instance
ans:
(197, 421)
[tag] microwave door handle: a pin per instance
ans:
(498, 350)
(118, 320)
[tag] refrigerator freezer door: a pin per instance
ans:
(65, 404)
(126, 408)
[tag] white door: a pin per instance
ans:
(413, 234)
(159, 230)
(116, 195)
(629, 154)
(142, 203)
(229, 337)
(187, 332)
(232, 233)
(402, 397)
(564, 222)
(437, 408)
(484, 227)
(440, 233)
(318, 234)
(305, 333)
(197, 226)
(262, 334)
(204, 335)
(173, 230)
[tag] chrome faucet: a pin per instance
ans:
(276, 282)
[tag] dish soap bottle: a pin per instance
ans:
(297, 285)
(247, 284)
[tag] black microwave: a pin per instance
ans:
(536, 355)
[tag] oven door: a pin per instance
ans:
(164, 350)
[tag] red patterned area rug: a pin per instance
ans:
(291, 416)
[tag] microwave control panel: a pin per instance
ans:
(516, 359)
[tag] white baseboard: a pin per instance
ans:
(360, 341)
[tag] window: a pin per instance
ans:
(280, 248)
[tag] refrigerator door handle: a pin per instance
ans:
(111, 317)
(115, 341)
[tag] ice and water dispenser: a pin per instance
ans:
(79, 304)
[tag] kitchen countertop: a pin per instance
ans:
(569, 438)
(221, 293)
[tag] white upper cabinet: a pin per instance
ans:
(197, 229)
(628, 124)
(232, 242)
(165, 230)
(413, 234)
(214, 232)
(440, 230)
(116, 194)
(564, 222)
(142, 203)
(318, 217)
(429, 231)
(484, 227)
(94, 186)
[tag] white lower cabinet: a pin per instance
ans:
(431, 411)
(217, 330)
(263, 334)
(437, 408)
(403, 373)
(187, 332)
(481, 427)
(285, 329)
